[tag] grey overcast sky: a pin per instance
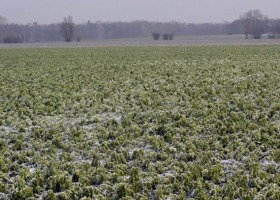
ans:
(189, 11)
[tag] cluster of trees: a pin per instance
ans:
(165, 36)
(252, 23)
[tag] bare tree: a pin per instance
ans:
(259, 24)
(156, 35)
(246, 20)
(3, 21)
(255, 23)
(168, 36)
(275, 28)
(67, 28)
(165, 36)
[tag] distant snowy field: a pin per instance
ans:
(178, 41)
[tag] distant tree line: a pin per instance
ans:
(106, 30)
(253, 23)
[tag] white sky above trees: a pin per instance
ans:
(189, 11)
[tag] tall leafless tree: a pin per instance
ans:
(3, 21)
(246, 21)
(156, 35)
(67, 28)
(255, 23)
(275, 28)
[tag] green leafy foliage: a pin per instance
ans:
(140, 123)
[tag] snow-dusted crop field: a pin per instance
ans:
(210, 40)
(161, 122)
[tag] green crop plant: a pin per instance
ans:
(123, 191)
(76, 176)
(49, 195)
(134, 179)
(59, 183)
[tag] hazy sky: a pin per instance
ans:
(190, 11)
